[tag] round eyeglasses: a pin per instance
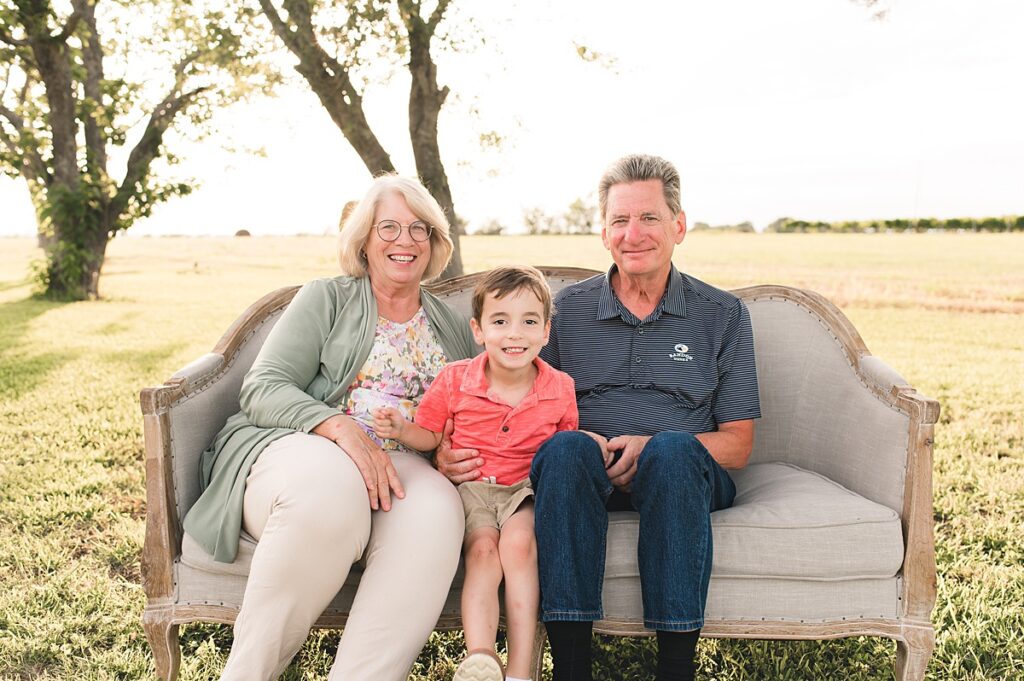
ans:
(390, 230)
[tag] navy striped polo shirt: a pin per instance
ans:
(687, 367)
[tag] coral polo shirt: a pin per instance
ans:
(507, 437)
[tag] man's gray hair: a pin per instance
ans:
(638, 168)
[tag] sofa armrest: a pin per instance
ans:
(830, 406)
(197, 372)
(180, 419)
(916, 515)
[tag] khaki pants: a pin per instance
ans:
(306, 504)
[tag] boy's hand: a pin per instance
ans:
(388, 423)
(602, 442)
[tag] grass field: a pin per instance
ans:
(945, 310)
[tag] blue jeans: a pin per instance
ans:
(677, 486)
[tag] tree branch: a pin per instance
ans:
(13, 118)
(282, 28)
(300, 16)
(8, 142)
(72, 21)
(5, 36)
(329, 80)
(148, 147)
(23, 96)
(303, 44)
(92, 61)
(438, 15)
(34, 168)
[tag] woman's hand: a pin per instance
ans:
(374, 464)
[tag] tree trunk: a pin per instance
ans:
(74, 260)
(425, 102)
(55, 70)
(331, 82)
(45, 237)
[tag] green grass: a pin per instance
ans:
(946, 310)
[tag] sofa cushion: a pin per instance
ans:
(193, 555)
(790, 523)
(786, 523)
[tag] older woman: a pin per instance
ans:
(299, 469)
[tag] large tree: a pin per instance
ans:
(66, 108)
(340, 45)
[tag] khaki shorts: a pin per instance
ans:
(490, 505)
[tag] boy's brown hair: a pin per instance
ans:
(501, 281)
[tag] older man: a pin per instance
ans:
(667, 394)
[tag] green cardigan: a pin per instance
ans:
(301, 374)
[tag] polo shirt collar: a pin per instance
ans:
(474, 382)
(673, 301)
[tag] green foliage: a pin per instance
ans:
(1009, 223)
(72, 470)
(163, 63)
(63, 275)
(146, 197)
(71, 259)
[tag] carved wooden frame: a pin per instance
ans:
(912, 629)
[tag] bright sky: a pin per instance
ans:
(801, 108)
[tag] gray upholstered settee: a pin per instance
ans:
(830, 535)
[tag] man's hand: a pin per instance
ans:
(458, 465)
(388, 423)
(622, 471)
(379, 474)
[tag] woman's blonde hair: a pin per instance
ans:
(359, 224)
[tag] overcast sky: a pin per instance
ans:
(802, 108)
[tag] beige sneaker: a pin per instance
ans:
(479, 665)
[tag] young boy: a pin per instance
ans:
(504, 402)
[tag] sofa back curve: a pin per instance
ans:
(816, 411)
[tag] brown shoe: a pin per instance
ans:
(479, 665)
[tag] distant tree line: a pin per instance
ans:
(1010, 223)
(745, 226)
(581, 218)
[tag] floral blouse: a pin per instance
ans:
(402, 364)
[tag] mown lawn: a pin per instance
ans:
(946, 310)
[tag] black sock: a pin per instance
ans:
(676, 651)
(570, 650)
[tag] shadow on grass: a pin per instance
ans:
(141, 362)
(8, 285)
(21, 370)
(118, 327)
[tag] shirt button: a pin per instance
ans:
(640, 331)
(504, 429)
(638, 360)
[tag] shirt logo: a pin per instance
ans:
(679, 353)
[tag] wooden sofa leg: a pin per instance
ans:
(163, 639)
(913, 653)
(538, 650)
